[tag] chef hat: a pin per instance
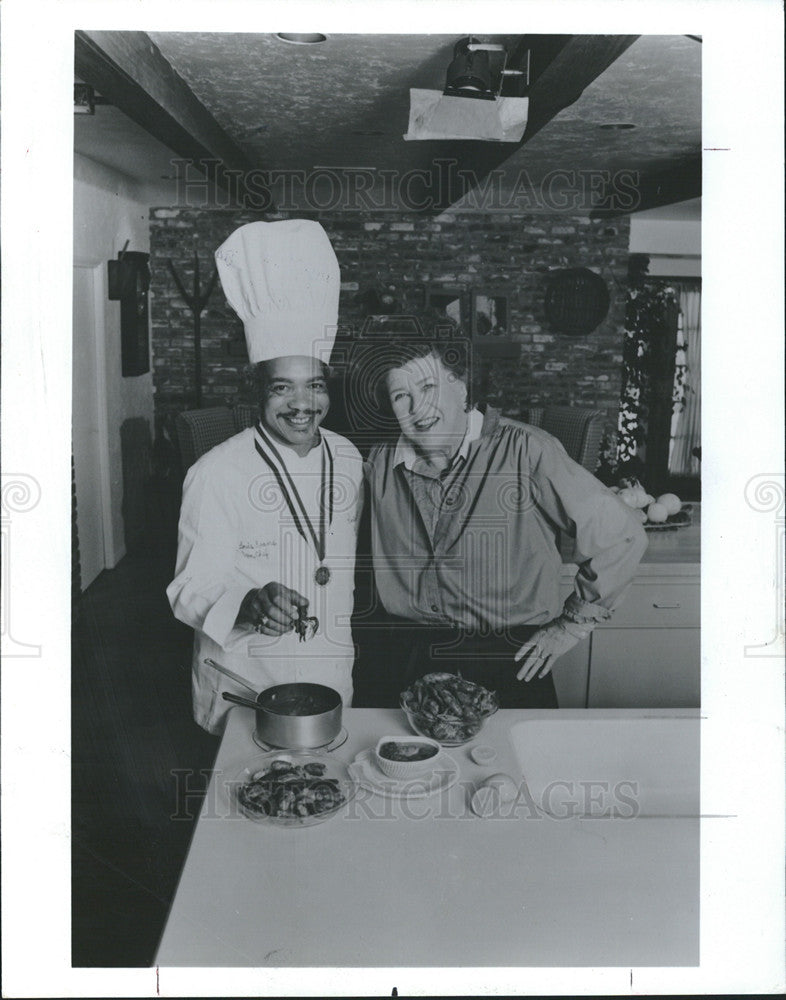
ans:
(282, 279)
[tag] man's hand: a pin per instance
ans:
(270, 610)
(550, 642)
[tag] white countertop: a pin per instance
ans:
(428, 883)
(671, 552)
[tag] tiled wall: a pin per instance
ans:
(409, 254)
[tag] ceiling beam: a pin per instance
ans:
(128, 69)
(565, 65)
(654, 189)
(576, 64)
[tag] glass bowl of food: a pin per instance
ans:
(292, 787)
(403, 757)
(447, 708)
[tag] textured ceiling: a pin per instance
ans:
(344, 103)
(302, 106)
(291, 106)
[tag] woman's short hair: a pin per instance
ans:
(454, 354)
(394, 344)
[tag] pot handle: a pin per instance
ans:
(237, 700)
(229, 673)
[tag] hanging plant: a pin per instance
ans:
(607, 470)
(647, 306)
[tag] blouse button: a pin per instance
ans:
(435, 607)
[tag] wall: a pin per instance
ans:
(409, 254)
(108, 210)
(671, 238)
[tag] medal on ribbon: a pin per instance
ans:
(269, 453)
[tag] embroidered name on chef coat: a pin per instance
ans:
(257, 549)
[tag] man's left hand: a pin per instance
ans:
(540, 652)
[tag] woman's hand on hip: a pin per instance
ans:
(271, 610)
(540, 652)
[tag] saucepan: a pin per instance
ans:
(295, 716)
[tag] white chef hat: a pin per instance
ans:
(282, 279)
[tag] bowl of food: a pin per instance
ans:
(446, 708)
(403, 757)
(292, 788)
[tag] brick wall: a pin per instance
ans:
(513, 253)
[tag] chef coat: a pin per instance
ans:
(237, 533)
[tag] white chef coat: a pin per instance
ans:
(236, 533)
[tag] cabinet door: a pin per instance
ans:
(570, 674)
(645, 668)
(658, 603)
(571, 671)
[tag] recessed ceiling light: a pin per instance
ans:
(617, 126)
(321, 166)
(306, 39)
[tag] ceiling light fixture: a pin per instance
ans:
(478, 70)
(321, 166)
(470, 74)
(84, 99)
(314, 38)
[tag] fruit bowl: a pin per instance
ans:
(666, 511)
(680, 520)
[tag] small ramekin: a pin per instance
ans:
(403, 769)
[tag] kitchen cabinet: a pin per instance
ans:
(648, 654)
(645, 668)
(571, 672)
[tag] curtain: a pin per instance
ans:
(686, 420)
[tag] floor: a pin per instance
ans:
(139, 762)
(137, 757)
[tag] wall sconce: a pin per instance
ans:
(128, 279)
